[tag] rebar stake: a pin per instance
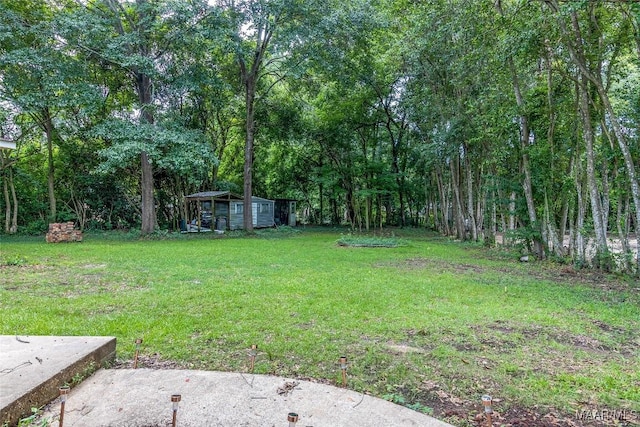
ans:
(292, 417)
(64, 391)
(343, 367)
(252, 356)
(135, 358)
(486, 401)
(175, 398)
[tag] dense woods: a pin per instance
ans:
(471, 118)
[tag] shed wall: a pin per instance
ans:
(235, 216)
(264, 209)
(262, 216)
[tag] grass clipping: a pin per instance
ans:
(370, 241)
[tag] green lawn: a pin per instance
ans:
(430, 323)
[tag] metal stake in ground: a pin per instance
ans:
(175, 398)
(252, 356)
(64, 391)
(292, 417)
(486, 401)
(343, 367)
(135, 358)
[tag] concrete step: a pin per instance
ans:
(32, 368)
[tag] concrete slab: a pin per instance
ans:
(33, 367)
(142, 398)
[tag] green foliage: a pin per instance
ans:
(368, 113)
(371, 241)
(178, 151)
(35, 228)
(15, 260)
(34, 420)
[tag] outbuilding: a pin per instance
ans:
(223, 210)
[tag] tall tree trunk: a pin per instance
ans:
(49, 132)
(144, 91)
(549, 217)
(250, 73)
(602, 250)
(148, 206)
(250, 95)
(525, 134)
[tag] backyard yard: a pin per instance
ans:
(430, 324)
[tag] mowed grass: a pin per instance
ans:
(430, 323)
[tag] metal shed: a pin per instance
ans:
(223, 210)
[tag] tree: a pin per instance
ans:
(137, 40)
(593, 73)
(40, 78)
(264, 35)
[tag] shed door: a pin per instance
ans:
(254, 213)
(292, 214)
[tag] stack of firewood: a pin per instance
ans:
(63, 232)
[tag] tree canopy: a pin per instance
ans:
(518, 119)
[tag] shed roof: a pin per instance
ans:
(222, 195)
(215, 195)
(260, 199)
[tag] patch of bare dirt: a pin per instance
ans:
(461, 412)
(420, 263)
(626, 347)
(150, 362)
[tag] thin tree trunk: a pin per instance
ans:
(454, 165)
(444, 204)
(622, 223)
(602, 251)
(579, 253)
(250, 93)
(14, 197)
(49, 131)
(250, 74)
(549, 217)
(481, 203)
(552, 234)
(7, 200)
(525, 134)
(470, 213)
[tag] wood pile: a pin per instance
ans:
(63, 232)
